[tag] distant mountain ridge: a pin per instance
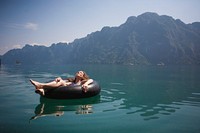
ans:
(142, 40)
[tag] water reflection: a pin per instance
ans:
(153, 112)
(151, 102)
(52, 107)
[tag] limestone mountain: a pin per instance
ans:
(145, 39)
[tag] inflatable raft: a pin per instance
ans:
(72, 91)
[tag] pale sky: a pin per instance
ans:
(44, 22)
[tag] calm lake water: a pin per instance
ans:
(133, 99)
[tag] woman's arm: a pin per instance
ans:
(85, 85)
(89, 81)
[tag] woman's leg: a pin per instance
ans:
(52, 84)
(41, 86)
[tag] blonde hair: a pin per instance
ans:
(83, 79)
(85, 76)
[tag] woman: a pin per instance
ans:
(81, 78)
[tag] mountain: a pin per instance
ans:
(145, 39)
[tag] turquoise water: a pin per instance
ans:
(133, 99)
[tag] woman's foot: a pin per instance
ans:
(40, 91)
(36, 84)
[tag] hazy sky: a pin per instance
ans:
(51, 21)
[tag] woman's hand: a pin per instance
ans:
(85, 87)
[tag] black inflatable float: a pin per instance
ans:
(72, 91)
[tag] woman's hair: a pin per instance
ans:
(83, 79)
(85, 76)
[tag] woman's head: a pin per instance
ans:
(82, 75)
